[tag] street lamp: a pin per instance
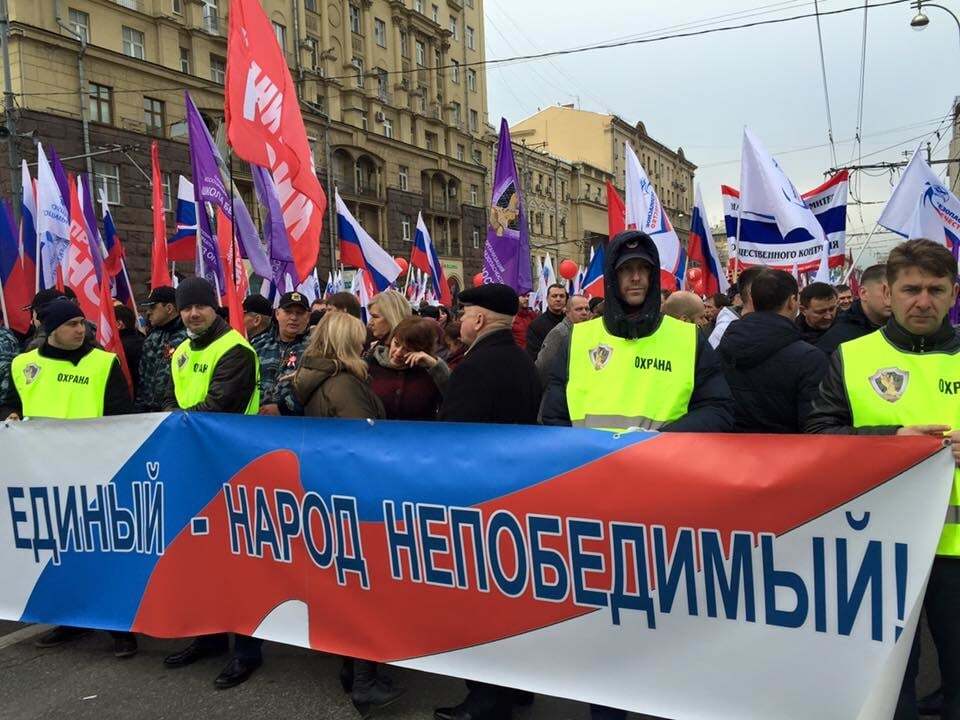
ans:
(920, 20)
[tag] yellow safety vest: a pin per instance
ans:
(59, 389)
(615, 384)
(889, 386)
(191, 370)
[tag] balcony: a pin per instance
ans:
(137, 5)
(211, 24)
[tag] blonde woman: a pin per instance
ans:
(332, 378)
(387, 310)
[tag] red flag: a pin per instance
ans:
(616, 212)
(235, 280)
(159, 266)
(93, 293)
(265, 127)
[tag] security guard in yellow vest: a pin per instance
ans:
(904, 379)
(214, 370)
(68, 378)
(634, 367)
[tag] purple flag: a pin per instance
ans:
(60, 175)
(208, 188)
(275, 232)
(506, 254)
(249, 239)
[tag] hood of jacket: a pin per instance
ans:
(616, 319)
(856, 316)
(380, 354)
(755, 338)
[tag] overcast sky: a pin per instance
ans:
(699, 92)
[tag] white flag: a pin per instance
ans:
(53, 221)
(921, 206)
(645, 213)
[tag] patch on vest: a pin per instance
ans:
(30, 372)
(890, 383)
(600, 356)
(181, 361)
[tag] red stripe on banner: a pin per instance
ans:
(840, 177)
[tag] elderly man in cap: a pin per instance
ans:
(279, 349)
(635, 367)
(214, 370)
(257, 316)
(68, 378)
(166, 333)
(496, 382)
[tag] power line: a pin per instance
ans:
(826, 92)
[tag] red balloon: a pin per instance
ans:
(668, 281)
(694, 275)
(478, 279)
(568, 269)
(402, 263)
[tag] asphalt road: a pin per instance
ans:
(83, 681)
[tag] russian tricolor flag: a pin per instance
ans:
(17, 285)
(183, 245)
(702, 251)
(424, 257)
(592, 285)
(116, 266)
(359, 250)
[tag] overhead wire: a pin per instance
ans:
(826, 91)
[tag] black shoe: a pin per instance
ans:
(59, 635)
(346, 675)
(124, 646)
(236, 672)
(370, 693)
(195, 651)
(522, 698)
(931, 704)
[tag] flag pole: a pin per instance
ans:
(3, 306)
(866, 242)
(233, 220)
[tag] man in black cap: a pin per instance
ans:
(280, 348)
(68, 378)
(36, 335)
(496, 382)
(166, 333)
(634, 366)
(257, 314)
(214, 370)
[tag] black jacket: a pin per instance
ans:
(772, 373)
(233, 380)
(497, 382)
(116, 396)
(132, 340)
(850, 325)
(711, 406)
(831, 412)
(809, 334)
(538, 331)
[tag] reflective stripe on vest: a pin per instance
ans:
(618, 384)
(59, 389)
(887, 386)
(191, 370)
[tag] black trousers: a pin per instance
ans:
(600, 712)
(244, 647)
(942, 605)
(485, 698)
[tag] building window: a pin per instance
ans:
(108, 179)
(435, 14)
(280, 32)
(474, 195)
(363, 122)
(422, 98)
(177, 7)
(184, 60)
(455, 114)
(470, 38)
(358, 64)
(478, 157)
(133, 43)
(469, 3)
(380, 32)
(80, 24)
(455, 71)
(404, 43)
(354, 18)
(474, 121)
(405, 224)
(476, 239)
(453, 26)
(404, 177)
(167, 195)
(388, 127)
(383, 85)
(421, 53)
(472, 80)
(101, 103)
(310, 5)
(418, 6)
(218, 68)
(461, 152)
(313, 53)
(431, 139)
(153, 112)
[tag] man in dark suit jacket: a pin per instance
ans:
(496, 382)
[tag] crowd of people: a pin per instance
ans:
(766, 357)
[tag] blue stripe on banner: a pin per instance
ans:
(833, 220)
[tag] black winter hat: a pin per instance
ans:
(496, 297)
(196, 291)
(57, 312)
